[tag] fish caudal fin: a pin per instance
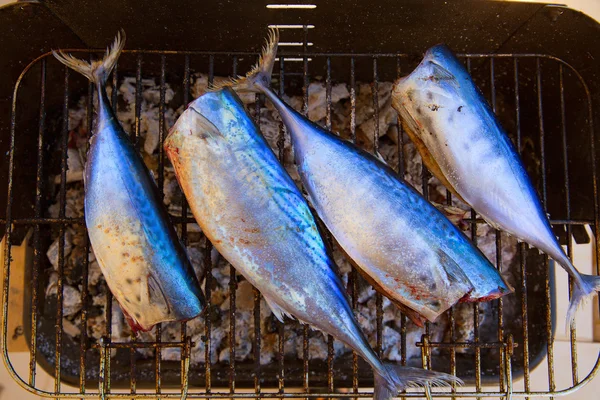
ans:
(260, 76)
(588, 286)
(99, 70)
(396, 378)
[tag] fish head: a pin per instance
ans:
(193, 135)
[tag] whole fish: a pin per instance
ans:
(465, 146)
(401, 243)
(254, 215)
(137, 248)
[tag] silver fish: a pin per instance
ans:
(250, 209)
(401, 243)
(459, 136)
(137, 248)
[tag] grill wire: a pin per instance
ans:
(505, 343)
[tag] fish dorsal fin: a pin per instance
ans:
(156, 295)
(279, 312)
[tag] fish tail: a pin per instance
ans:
(586, 287)
(394, 378)
(259, 76)
(99, 70)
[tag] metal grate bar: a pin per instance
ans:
(378, 296)
(180, 220)
(522, 246)
(232, 299)
(328, 101)
(448, 345)
(281, 324)
(502, 360)
(161, 182)
(353, 278)
(61, 235)
(563, 127)
(83, 346)
(305, 328)
(475, 305)
(36, 238)
(548, 310)
(185, 358)
(255, 292)
(208, 273)
(138, 101)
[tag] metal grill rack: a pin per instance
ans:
(502, 76)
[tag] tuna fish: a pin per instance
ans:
(464, 145)
(137, 248)
(255, 216)
(401, 243)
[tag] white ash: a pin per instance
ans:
(219, 314)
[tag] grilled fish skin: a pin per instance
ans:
(255, 216)
(137, 248)
(444, 110)
(408, 249)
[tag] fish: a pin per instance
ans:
(254, 215)
(443, 109)
(143, 261)
(404, 246)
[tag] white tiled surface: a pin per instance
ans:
(587, 350)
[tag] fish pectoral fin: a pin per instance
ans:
(156, 295)
(279, 312)
(454, 272)
(204, 129)
(442, 74)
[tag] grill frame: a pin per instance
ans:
(426, 344)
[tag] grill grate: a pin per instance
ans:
(140, 383)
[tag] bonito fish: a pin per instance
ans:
(464, 145)
(137, 248)
(255, 216)
(401, 243)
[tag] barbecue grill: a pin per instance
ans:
(536, 64)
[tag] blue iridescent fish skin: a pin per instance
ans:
(459, 134)
(411, 251)
(137, 248)
(255, 216)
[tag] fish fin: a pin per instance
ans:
(453, 271)
(156, 296)
(380, 157)
(590, 285)
(205, 129)
(96, 71)
(442, 74)
(260, 75)
(395, 378)
(279, 312)
(414, 316)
